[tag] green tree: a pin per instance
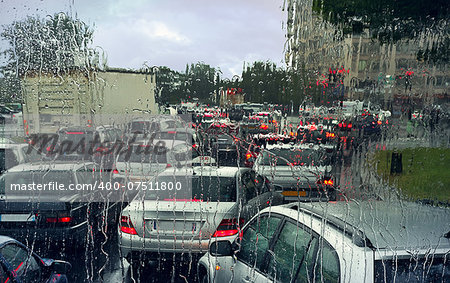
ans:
(200, 81)
(56, 43)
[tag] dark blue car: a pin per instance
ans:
(21, 265)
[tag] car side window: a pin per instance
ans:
(255, 240)
(3, 275)
(249, 187)
(23, 263)
(289, 252)
(327, 267)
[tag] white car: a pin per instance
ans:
(336, 242)
(301, 172)
(17, 153)
(182, 210)
(143, 162)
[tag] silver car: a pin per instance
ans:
(182, 210)
(336, 242)
(301, 172)
(143, 162)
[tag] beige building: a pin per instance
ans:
(81, 98)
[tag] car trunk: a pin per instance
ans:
(180, 219)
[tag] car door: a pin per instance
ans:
(256, 194)
(254, 244)
(21, 262)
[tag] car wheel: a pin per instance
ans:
(332, 195)
(203, 275)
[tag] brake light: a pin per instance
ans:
(115, 171)
(64, 219)
(264, 127)
(60, 219)
(379, 122)
(340, 125)
(228, 227)
(51, 220)
(248, 156)
(328, 182)
(126, 226)
(349, 125)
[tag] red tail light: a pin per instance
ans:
(340, 125)
(64, 219)
(51, 220)
(115, 171)
(349, 125)
(126, 226)
(59, 219)
(168, 165)
(228, 227)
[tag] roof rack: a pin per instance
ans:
(358, 237)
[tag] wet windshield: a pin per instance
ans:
(273, 140)
(294, 157)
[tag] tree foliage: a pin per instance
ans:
(54, 43)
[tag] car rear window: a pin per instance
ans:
(196, 188)
(40, 177)
(295, 157)
(143, 155)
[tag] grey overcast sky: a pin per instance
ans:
(173, 33)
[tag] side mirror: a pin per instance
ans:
(60, 267)
(221, 248)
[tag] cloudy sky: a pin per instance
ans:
(172, 33)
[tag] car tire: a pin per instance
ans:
(202, 275)
(332, 195)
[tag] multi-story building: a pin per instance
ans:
(372, 70)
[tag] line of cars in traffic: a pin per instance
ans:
(231, 202)
(66, 159)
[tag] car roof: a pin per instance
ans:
(313, 146)
(5, 239)
(223, 171)
(12, 145)
(382, 224)
(53, 165)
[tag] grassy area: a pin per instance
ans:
(425, 176)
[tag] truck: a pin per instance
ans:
(86, 98)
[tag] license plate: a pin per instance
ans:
(171, 226)
(17, 218)
(294, 193)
